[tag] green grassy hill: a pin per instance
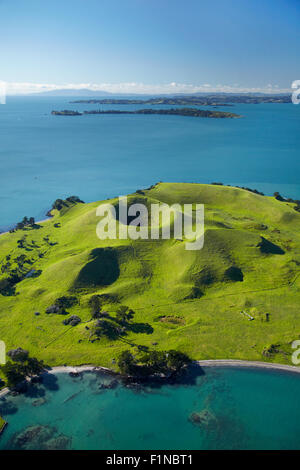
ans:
(187, 300)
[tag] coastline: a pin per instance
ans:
(202, 363)
(247, 364)
(66, 370)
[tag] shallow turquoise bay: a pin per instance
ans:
(248, 409)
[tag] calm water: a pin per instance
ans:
(244, 409)
(44, 157)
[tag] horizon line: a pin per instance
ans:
(29, 88)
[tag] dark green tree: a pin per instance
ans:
(124, 314)
(126, 362)
(14, 374)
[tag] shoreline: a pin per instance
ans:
(247, 364)
(238, 363)
(65, 370)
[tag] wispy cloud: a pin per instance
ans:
(16, 88)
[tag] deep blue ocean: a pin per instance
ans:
(45, 157)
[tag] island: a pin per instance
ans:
(66, 112)
(67, 297)
(190, 112)
(217, 99)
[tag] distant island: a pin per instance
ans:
(66, 112)
(190, 112)
(219, 99)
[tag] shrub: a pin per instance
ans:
(18, 355)
(234, 274)
(53, 309)
(61, 303)
(73, 320)
(95, 305)
(124, 314)
(5, 286)
(66, 302)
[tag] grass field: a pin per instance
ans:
(190, 300)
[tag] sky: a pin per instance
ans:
(149, 46)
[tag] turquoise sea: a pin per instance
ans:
(240, 408)
(44, 157)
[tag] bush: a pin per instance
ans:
(124, 314)
(53, 309)
(66, 302)
(5, 286)
(18, 355)
(95, 304)
(234, 274)
(73, 320)
(61, 303)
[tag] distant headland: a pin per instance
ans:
(219, 99)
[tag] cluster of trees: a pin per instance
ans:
(255, 191)
(20, 261)
(61, 304)
(20, 367)
(17, 268)
(95, 304)
(152, 362)
(60, 203)
(107, 328)
(124, 315)
(15, 271)
(112, 326)
(73, 320)
(106, 325)
(26, 222)
(7, 285)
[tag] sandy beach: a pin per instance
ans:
(247, 364)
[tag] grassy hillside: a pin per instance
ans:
(188, 300)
